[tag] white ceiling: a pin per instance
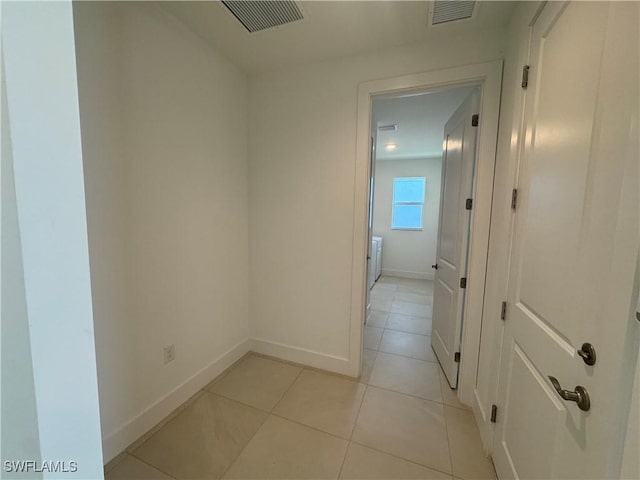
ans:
(420, 119)
(330, 29)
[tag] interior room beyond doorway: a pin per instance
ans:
(411, 144)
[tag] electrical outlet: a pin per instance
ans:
(169, 353)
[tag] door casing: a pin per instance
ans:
(488, 76)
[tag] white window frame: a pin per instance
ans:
(421, 204)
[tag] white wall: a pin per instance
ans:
(19, 433)
(407, 253)
(52, 385)
(301, 184)
(164, 124)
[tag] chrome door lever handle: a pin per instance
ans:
(580, 395)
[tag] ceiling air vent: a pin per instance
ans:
(260, 15)
(388, 127)
(451, 11)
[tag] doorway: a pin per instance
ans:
(487, 77)
(422, 167)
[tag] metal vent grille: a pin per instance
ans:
(263, 14)
(450, 11)
(388, 127)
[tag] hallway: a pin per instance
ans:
(270, 419)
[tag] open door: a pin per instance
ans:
(458, 159)
(371, 267)
(569, 324)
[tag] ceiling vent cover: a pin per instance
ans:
(451, 11)
(263, 14)
(388, 127)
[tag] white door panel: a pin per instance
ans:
(452, 183)
(371, 266)
(542, 404)
(458, 160)
(566, 234)
(440, 334)
(558, 193)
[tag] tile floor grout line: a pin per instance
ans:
(404, 331)
(402, 393)
(349, 441)
(355, 422)
(142, 460)
(214, 394)
(297, 422)
(353, 428)
(446, 427)
(465, 409)
(287, 390)
(268, 412)
(406, 356)
(170, 417)
(112, 463)
(401, 458)
(421, 317)
(414, 358)
(408, 394)
(245, 446)
(401, 331)
(237, 401)
(272, 413)
(444, 405)
(131, 452)
(344, 457)
(222, 375)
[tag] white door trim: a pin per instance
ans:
(489, 76)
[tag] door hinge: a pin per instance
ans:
(525, 76)
(456, 357)
(468, 204)
(514, 198)
(503, 311)
(494, 413)
(463, 282)
(475, 119)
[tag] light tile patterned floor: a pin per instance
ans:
(270, 419)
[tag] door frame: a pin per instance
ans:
(488, 76)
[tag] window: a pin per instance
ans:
(408, 199)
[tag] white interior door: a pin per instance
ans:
(576, 235)
(371, 267)
(458, 160)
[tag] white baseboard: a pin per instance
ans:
(118, 440)
(408, 274)
(301, 355)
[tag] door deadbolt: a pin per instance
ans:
(580, 395)
(588, 353)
